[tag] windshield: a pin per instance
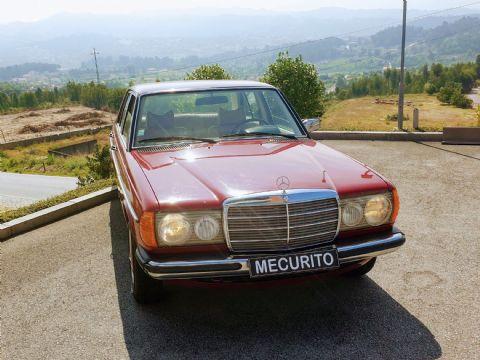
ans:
(213, 114)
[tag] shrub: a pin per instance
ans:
(299, 82)
(394, 117)
(99, 166)
(208, 72)
(430, 88)
(461, 101)
(451, 94)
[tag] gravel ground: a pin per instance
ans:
(64, 289)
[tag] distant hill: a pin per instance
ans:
(67, 39)
(15, 71)
(145, 59)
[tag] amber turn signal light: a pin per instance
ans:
(396, 205)
(147, 230)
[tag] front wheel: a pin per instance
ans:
(143, 288)
(362, 270)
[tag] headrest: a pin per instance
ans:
(165, 120)
(231, 116)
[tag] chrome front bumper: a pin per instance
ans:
(239, 266)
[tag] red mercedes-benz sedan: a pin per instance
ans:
(220, 180)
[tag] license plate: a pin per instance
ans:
(323, 259)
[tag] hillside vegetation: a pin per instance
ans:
(365, 114)
(441, 40)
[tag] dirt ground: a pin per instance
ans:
(37, 123)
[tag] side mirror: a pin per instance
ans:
(311, 123)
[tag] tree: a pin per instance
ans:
(4, 101)
(208, 72)
(299, 82)
(73, 91)
(94, 95)
(28, 100)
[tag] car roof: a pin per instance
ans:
(196, 85)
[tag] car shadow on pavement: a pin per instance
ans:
(319, 318)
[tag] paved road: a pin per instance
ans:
(475, 96)
(23, 189)
(64, 290)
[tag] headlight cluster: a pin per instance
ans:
(196, 228)
(360, 212)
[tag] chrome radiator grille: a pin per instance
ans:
(281, 220)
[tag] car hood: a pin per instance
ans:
(203, 176)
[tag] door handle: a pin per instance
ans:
(113, 148)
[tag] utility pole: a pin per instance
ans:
(401, 90)
(95, 53)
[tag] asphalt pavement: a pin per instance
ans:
(65, 287)
(23, 189)
(475, 96)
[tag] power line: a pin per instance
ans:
(286, 47)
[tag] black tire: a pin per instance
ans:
(143, 288)
(362, 270)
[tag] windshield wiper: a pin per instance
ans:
(175, 138)
(288, 136)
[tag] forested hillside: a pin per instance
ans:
(446, 43)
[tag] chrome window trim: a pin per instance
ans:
(139, 99)
(121, 184)
(278, 197)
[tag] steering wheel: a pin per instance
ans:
(240, 129)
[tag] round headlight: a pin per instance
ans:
(352, 214)
(206, 228)
(377, 210)
(174, 229)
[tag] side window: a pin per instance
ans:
(127, 123)
(278, 110)
(121, 112)
(121, 120)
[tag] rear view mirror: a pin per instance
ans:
(211, 100)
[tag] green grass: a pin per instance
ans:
(35, 159)
(9, 215)
(362, 114)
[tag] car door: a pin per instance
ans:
(119, 149)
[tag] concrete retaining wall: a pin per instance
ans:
(377, 135)
(53, 137)
(84, 147)
(461, 135)
(57, 212)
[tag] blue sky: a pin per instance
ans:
(30, 10)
